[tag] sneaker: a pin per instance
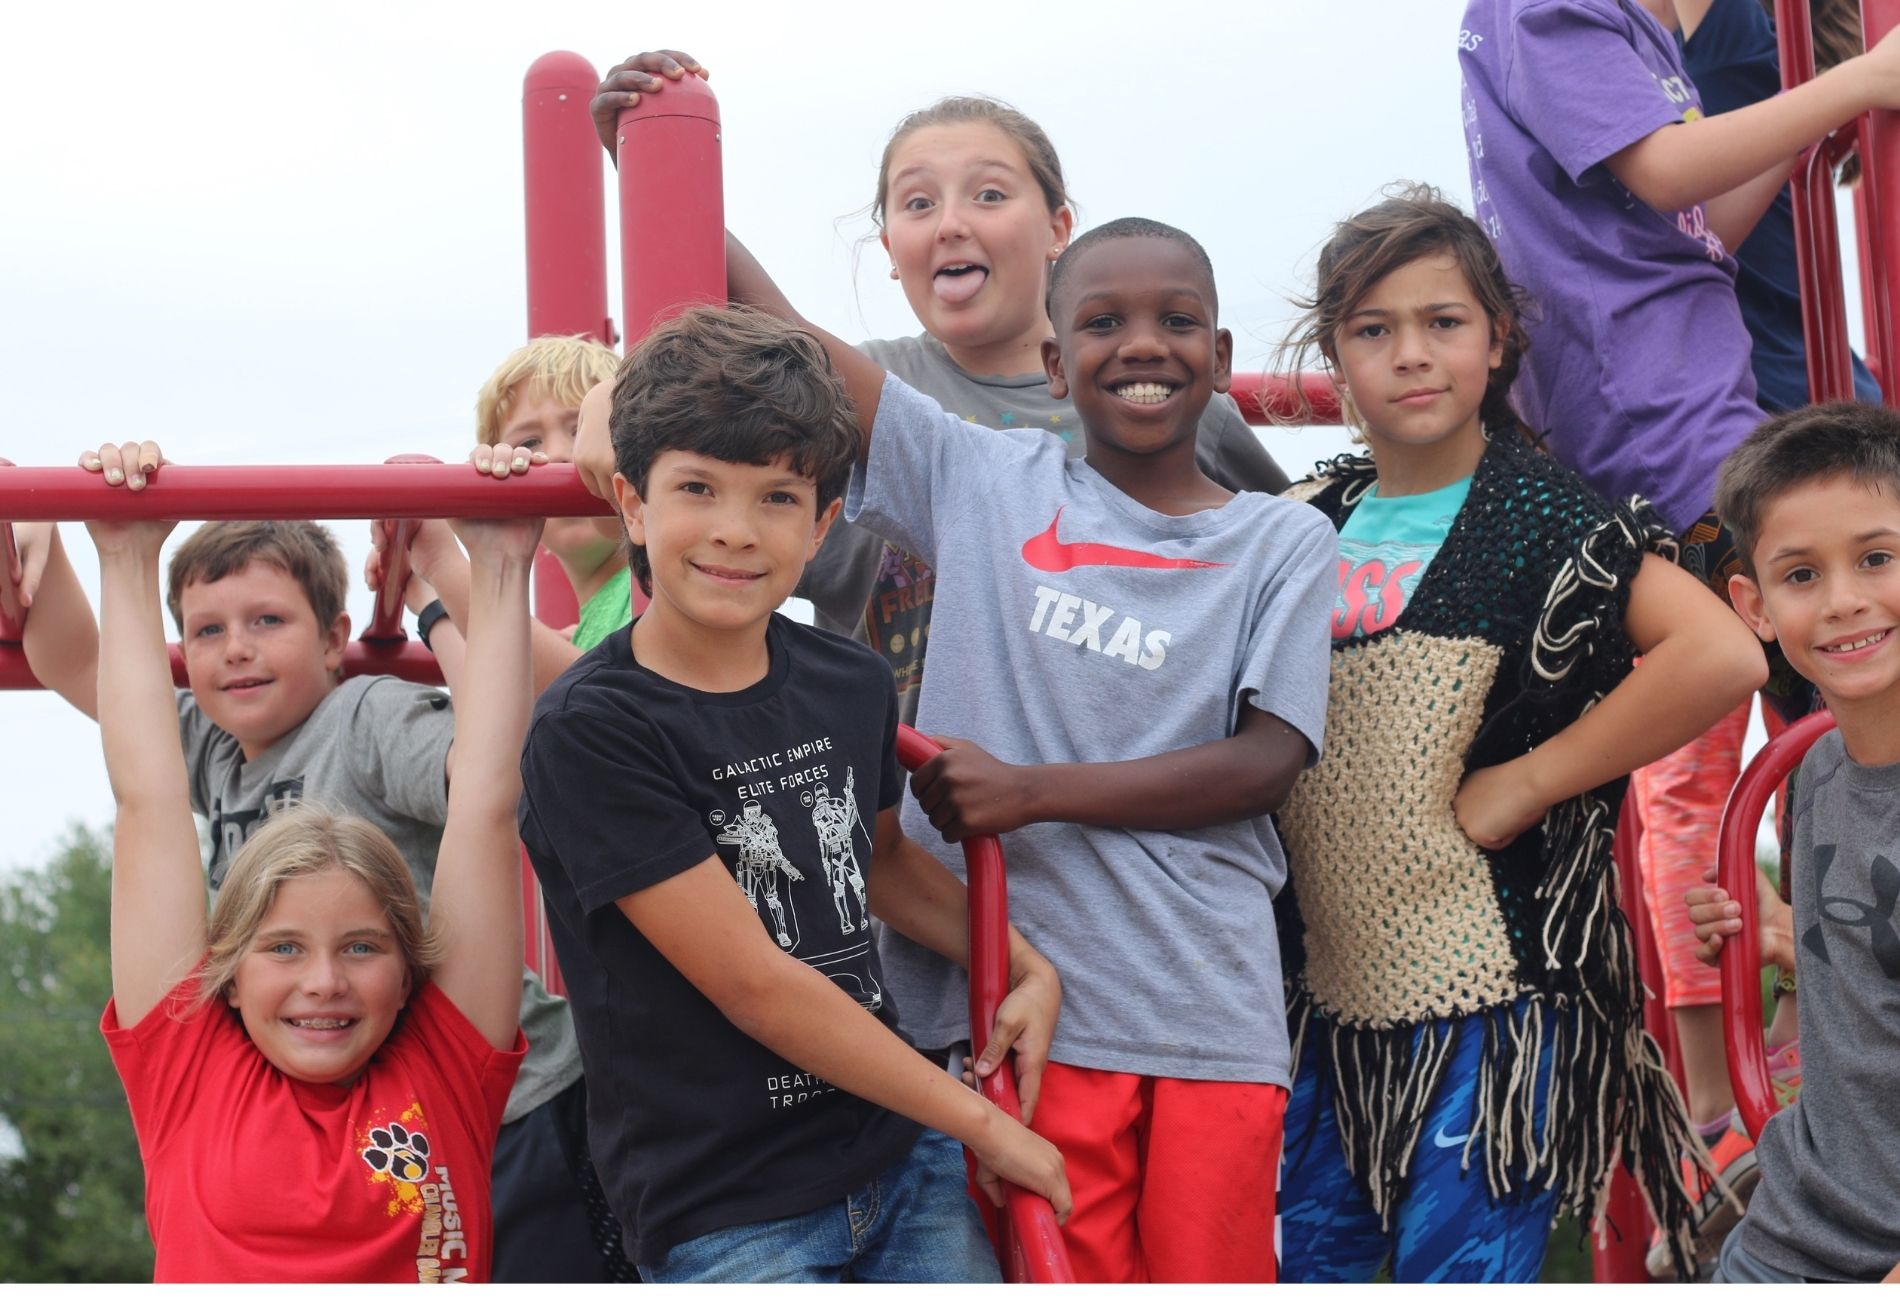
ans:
(1784, 1072)
(1720, 1201)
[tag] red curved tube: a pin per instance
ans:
(1741, 956)
(1037, 1241)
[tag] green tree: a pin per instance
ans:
(72, 1190)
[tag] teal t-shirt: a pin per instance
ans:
(1385, 547)
(606, 611)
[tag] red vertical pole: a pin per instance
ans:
(567, 241)
(566, 221)
(672, 205)
(1816, 234)
(567, 294)
(1879, 204)
(1620, 1253)
(1031, 1244)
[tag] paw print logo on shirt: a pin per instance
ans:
(398, 1152)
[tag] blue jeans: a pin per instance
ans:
(1446, 1227)
(914, 1222)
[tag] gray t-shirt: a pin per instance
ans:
(1830, 1164)
(1082, 627)
(882, 596)
(375, 748)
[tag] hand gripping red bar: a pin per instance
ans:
(1037, 1242)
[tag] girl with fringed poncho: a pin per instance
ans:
(1462, 989)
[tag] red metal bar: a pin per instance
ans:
(10, 628)
(386, 623)
(298, 492)
(1873, 316)
(566, 240)
(1308, 398)
(1620, 1251)
(1816, 236)
(1880, 233)
(566, 212)
(672, 205)
(1741, 956)
(1037, 1240)
(409, 660)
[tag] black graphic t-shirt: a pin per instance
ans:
(629, 779)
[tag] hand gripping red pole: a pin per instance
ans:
(1038, 1247)
(1741, 955)
(386, 624)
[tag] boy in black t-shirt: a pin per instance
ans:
(749, 1121)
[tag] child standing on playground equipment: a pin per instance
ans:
(1615, 199)
(1129, 576)
(373, 747)
(972, 208)
(1813, 498)
(1730, 52)
(316, 1081)
(754, 1114)
(1462, 986)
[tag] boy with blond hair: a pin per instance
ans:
(1813, 500)
(526, 414)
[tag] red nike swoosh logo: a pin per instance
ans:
(1045, 552)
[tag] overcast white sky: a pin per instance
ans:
(264, 233)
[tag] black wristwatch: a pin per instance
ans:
(432, 613)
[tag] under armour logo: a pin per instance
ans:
(1883, 938)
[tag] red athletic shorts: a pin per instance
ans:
(1174, 1179)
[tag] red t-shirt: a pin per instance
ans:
(252, 1176)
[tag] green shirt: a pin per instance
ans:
(606, 611)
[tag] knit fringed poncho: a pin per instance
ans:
(1395, 923)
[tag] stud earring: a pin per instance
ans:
(894, 274)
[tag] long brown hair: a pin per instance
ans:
(1411, 222)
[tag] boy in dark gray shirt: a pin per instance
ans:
(1813, 499)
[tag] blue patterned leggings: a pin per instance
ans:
(1446, 1228)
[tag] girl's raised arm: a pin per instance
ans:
(475, 910)
(158, 883)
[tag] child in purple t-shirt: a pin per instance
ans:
(1613, 199)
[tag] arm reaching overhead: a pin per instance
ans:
(60, 639)
(747, 282)
(158, 885)
(475, 910)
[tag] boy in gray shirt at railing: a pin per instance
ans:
(1813, 499)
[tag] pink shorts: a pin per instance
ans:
(1681, 798)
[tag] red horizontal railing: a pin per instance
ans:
(402, 491)
(1032, 1250)
(1308, 398)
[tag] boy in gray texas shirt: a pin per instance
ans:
(862, 587)
(1813, 500)
(1079, 626)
